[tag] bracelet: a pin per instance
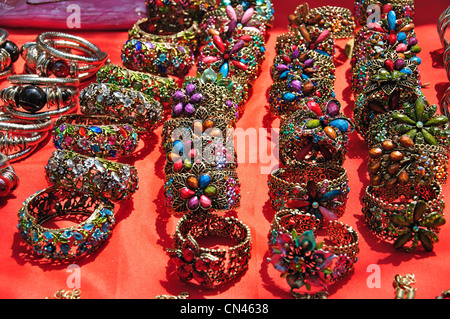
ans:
(202, 190)
(445, 103)
(216, 100)
(100, 136)
(8, 177)
(48, 56)
(319, 190)
(401, 161)
(338, 20)
(418, 120)
(442, 25)
(403, 8)
(210, 267)
(159, 58)
(17, 125)
(152, 30)
(70, 242)
(9, 53)
(128, 105)
(92, 175)
(305, 262)
(156, 87)
(310, 136)
(405, 215)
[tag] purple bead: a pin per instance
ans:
(282, 67)
(190, 88)
(295, 54)
(296, 85)
(178, 95)
(332, 108)
(177, 109)
(195, 98)
(412, 41)
(193, 202)
(189, 109)
(309, 62)
(399, 64)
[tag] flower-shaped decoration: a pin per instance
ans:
(317, 135)
(391, 74)
(230, 57)
(421, 123)
(191, 264)
(399, 163)
(186, 101)
(321, 203)
(183, 155)
(263, 8)
(419, 224)
(302, 261)
(308, 38)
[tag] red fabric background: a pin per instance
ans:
(133, 263)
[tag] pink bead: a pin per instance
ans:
(401, 47)
(205, 202)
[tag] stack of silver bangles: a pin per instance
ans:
(442, 26)
(9, 53)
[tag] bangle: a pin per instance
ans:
(445, 103)
(69, 242)
(128, 105)
(214, 99)
(418, 120)
(442, 25)
(233, 21)
(152, 30)
(92, 175)
(338, 20)
(304, 262)
(22, 126)
(263, 8)
(367, 107)
(405, 215)
(8, 177)
(156, 87)
(210, 267)
(101, 136)
(321, 191)
(401, 161)
(202, 190)
(48, 56)
(314, 136)
(158, 58)
(403, 8)
(9, 53)
(234, 57)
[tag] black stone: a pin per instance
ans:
(31, 98)
(12, 49)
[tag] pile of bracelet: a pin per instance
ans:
(228, 42)
(443, 24)
(309, 192)
(409, 142)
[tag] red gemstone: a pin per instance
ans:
(188, 255)
(392, 39)
(185, 272)
(389, 65)
(60, 69)
(178, 261)
(198, 277)
(201, 265)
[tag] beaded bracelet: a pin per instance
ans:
(92, 175)
(319, 190)
(303, 261)
(405, 215)
(130, 106)
(156, 87)
(202, 190)
(100, 135)
(210, 267)
(314, 136)
(70, 242)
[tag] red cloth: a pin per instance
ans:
(133, 262)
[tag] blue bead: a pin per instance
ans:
(416, 60)
(95, 129)
(284, 75)
(341, 125)
(203, 181)
(331, 195)
(138, 46)
(289, 97)
(224, 69)
(401, 36)
(392, 19)
(406, 71)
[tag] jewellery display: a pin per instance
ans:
(65, 243)
(101, 136)
(48, 56)
(130, 106)
(210, 267)
(9, 54)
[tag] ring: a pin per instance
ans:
(9, 53)
(319, 190)
(100, 135)
(48, 56)
(69, 242)
(210, 267)
(92, 175)
(128, 105)
(338, 20)
(156, 87)
(401, 162)
(29, 94)
(313, 135)
(202, 190)
(405, 215)
(304, 262)
(157, 58)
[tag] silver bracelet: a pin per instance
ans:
(9, 53)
